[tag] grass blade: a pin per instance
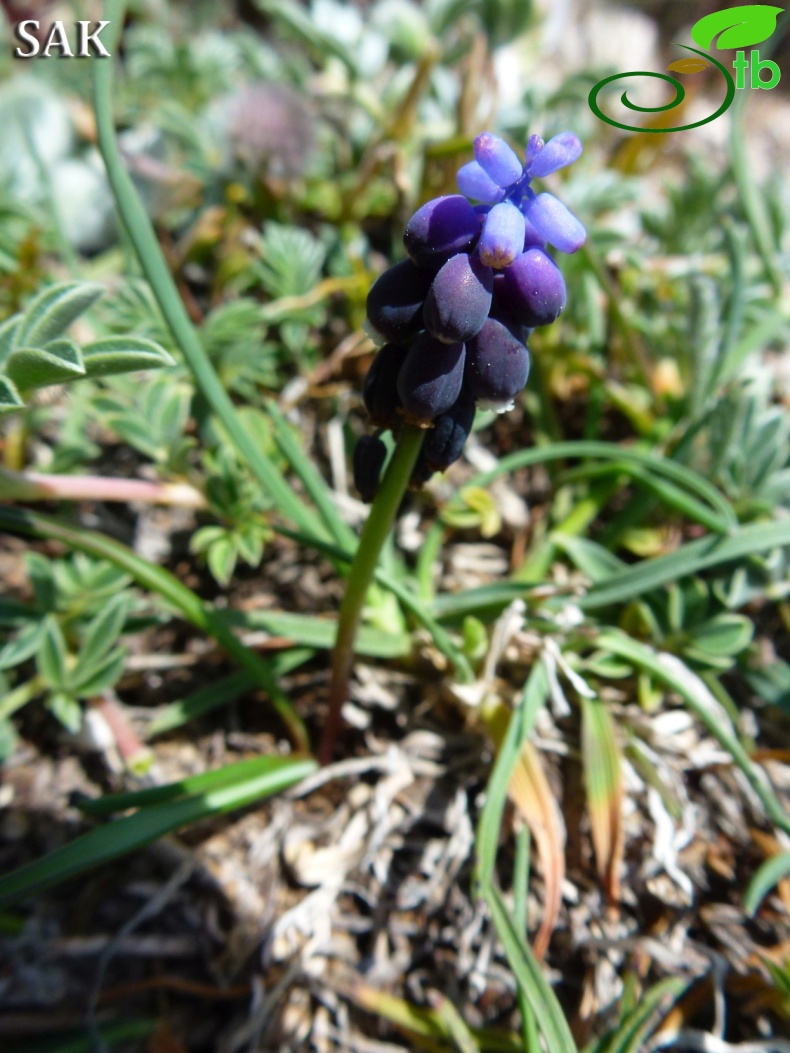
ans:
(221, 692)
(426, 1027)
(603, 776)
(462, 1037)
(530, 792)
(696, 484)
(671, 672)
(121, 836)
(686, 560)
(313, 483)
(536, 691)
(409, 600)
(770, 873)
(530, 978)
(319, 633)
(634, 1028)
(141, 234)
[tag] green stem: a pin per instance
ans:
(374, 533)
(158, 580)
(141, 234)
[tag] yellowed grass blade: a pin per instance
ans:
(531, 794)
(603, 776)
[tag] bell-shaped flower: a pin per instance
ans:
(558, 152)
(497, 159)
(555, 222)
(502, 238)
(476, 185)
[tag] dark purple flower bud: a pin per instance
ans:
(534, 289)
(440, 229)
(558, 152)
(444, 443)
(555, 222)
(369, 456)
(396, 299)
(459, 299)
(380, 390)
(503, 235)
(497, 365)
(476, 185)
(420, 473)
(430, 379)
(497, 159)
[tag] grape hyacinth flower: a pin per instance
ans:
(452, 322)
(455, 316)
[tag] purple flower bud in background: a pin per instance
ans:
(497, 159)
(555, 222)
(459, 300)
(502, 238)
(476, 185)
(440, 229)
(558, 152)
(534, 289)
(369, 456)
(497, 365)
(380, 390)
(430, 379)
(396, 298)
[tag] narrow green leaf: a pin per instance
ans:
(671, 672)
(53, 311)
(592, 559)
(104, 630)
(425, 1027)
(65, 709)
(87, 681)
(124, 354)
(536, 691)
(529, 976)
(9, 397)
(32, 367)
(770, 873)
(312, 631)
(22, 646)
(631, 1034)
(121, 836)
(142, 236)
(8, 739)
(697, 485)
(221, 692)
(688, 559)
(462, 1037)
(313, 483)
(51, 657)
(603, 776)
(8, 331)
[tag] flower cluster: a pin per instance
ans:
(455, 316)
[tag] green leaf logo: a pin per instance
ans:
(688, 65)
(737, 27)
